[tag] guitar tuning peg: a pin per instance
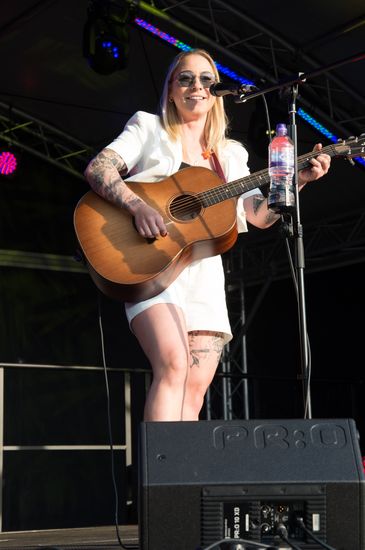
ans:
(351, 161)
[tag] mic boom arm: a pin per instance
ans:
(222, 88)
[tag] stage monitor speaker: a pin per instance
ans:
(201, 482)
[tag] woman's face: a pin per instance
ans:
(189, 87)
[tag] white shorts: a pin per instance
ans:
(199, 291)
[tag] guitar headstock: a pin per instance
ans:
(351, 147)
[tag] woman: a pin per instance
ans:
(183, 330)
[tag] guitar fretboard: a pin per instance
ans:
(254, 181)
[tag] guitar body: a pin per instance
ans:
(200, 214)
(126, 266)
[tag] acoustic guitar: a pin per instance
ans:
(199, 211)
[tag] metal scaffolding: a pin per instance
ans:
(264, 55)
(43, 140)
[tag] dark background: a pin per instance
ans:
(54, 106)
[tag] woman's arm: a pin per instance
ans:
(104, 175)
(257, 211)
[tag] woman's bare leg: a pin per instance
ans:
(161, 332)
(183, 364)
(205, 349)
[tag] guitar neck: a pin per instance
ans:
(257, 180)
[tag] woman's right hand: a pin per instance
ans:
(149, 223)
(104, 175)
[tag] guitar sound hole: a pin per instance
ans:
(185, 207)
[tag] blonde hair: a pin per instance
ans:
(216, 125)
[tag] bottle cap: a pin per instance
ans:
(281, 129)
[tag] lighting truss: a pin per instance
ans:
(44, 141)
(318, 126)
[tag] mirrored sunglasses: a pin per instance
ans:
(187, 79)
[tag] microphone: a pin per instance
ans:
(222, 88)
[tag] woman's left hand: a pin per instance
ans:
(320, 167)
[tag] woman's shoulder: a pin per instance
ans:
(235, 148)
(144, 118)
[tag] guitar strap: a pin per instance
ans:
(218, 168)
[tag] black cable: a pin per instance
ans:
(291, 265)
(252, 544)
(312, 535)
(283, 534)
(295, 283)
(111, 445)
(291, 544)
(267, 118)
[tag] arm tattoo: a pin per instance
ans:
(104, 176)
(258, 201)
(115, 159)
(271, 217)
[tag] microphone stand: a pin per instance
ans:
(297, 231)
(295, 226)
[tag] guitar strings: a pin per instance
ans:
(217, 192)
(211, 196)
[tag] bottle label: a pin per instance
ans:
(282, 157)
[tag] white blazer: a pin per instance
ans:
(150, 155)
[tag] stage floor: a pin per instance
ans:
(68, 539)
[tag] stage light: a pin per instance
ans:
(234, 76)
(186, 48)
(106, 36)
(8, 163)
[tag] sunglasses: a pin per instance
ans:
(187, 79)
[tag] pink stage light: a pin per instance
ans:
(8, 163)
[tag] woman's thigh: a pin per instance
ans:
(205, 350)
(161, 332)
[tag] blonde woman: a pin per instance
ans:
(183, 329)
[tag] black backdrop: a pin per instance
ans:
(51, 316)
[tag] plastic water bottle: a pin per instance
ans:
(281, 170)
